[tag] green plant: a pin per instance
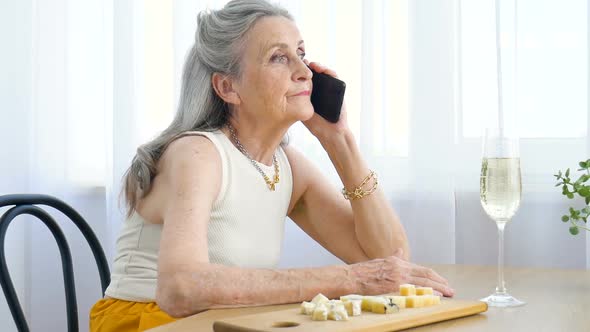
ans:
(569, 188)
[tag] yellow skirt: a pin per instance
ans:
(124, 316)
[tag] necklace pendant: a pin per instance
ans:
(271, 186)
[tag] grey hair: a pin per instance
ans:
(218, 46)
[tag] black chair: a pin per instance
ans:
(26, 204)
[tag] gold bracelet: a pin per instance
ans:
(359, 192)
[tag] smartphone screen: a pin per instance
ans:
(327, 96)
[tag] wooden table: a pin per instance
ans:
(557, 300)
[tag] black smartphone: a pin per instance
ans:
(327, 96)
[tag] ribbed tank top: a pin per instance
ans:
(245, 227)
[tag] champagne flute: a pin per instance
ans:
(500, 192)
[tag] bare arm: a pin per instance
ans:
(188, 283)
(377, 227)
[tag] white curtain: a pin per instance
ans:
(85, 82)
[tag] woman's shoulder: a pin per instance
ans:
(187, 163)
(189, 151)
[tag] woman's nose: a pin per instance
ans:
(302, 72)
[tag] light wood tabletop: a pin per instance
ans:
(557, 300)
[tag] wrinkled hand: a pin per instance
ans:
(385, 275)
(319, 126)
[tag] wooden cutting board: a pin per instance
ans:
(290, 320)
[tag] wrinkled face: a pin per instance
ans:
(275, 84)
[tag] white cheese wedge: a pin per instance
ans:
(384, 306)
(320, 312)
(337, 312)
(320, 298)
(400, 301)
(353, 307)
(307, 308)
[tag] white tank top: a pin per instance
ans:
(245, 227)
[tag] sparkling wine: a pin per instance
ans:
(500, 187)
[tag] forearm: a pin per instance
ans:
(216, 286)
(377, 227)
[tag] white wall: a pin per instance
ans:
(15, 93)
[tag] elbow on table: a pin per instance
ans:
(178, 300)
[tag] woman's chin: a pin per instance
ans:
(305, 113)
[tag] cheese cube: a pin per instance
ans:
(351, 297)
(307, 308)
(427, 299)
(435, 299)
(337, 312)
(320, 298)
(353, 307)
(367, 303)
(400, 301)
(320, 312)
(407, 290)
(424, 291)
(414, 301)
(384, 306)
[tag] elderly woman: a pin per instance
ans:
(207, 199)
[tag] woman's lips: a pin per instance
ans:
(304, 93)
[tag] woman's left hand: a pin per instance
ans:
(319, 126)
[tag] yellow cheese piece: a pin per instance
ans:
(407, 290)
(353, 307)
(435, 299)
(427, 299)
(424, 291)
(414, 301)
(320, 312)
(307, 308)
(384, 306)
(367, 303)
(400, 301)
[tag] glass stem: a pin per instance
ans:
(500, 288)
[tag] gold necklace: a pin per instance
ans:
(269, 183)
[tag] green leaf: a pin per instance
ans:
(570, 195)
(587, 200)
(584, 191)
(559, 184)
(586, 210)
(574, 230)
(565, 218)
(567, 173)
(583, 164)
(560, 175)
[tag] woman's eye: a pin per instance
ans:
(279, 58)
(302, 55)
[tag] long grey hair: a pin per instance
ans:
(218, 47)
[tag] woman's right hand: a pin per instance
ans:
(385, 275)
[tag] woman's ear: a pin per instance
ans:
(224, 87)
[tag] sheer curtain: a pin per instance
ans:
(85, 82)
